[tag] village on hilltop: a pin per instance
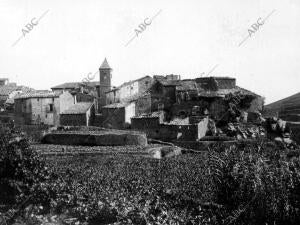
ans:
(165, 107)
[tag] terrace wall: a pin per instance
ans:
(109, 139)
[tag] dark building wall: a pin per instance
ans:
(153, 129)
(143, 105)
(73, 119)
(168, 132)
(161, 94)
(185, 108)
(23, 111)
(144, 84)
(145, 123)
(208, 83)
(80, 97)
(218, 108)
(113, 118)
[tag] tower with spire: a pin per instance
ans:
(105, 82)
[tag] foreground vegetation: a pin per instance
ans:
(257, 183)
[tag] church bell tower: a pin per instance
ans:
(105, 82)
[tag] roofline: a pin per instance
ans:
(54, 96)
(217, 77)
(132, 81)
(97, 83)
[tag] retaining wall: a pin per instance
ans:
(95, 139)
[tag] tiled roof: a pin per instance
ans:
(79, 108)
(74, 85)
(9, 88)
(68, 85)
(116, 105)
(105, 65)
(44, 94)
(223, 92)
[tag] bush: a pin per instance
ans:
(255, 184)
(22, 171)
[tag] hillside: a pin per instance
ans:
(287, 108)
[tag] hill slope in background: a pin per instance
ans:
(287, 108)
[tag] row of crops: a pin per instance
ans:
(246, 183)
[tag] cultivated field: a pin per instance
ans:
(254, 182)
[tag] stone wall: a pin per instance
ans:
(145, 123)
(113, 117)
(165, 95)
(144, 84)
(143, 105)
(73, 119)
(222, 82)
(169, 132)
(22, 112)
(111, 139)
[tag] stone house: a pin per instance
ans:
(163, 92)
(79, 114)
(81, 91)
(7, 93)
(155, 127)
(200, 96)
(41, 107)
(181, 98)
(129, 91)
(210, 95)
(118, 115)
(159, 96)
(76, 87)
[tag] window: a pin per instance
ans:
(160, 106)
(50, 107)
(195, 110)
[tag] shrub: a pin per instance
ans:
(22, 171)
(256, 184)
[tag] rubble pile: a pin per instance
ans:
(243, 131)
(279, 131)
(273, 128)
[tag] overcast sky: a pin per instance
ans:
(187, 37)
